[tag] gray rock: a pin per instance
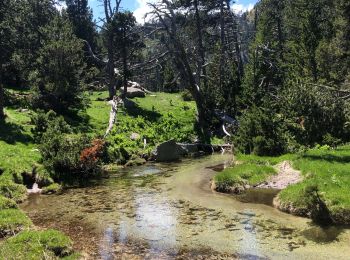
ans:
(189, 148)
(168, 151)
(135, 136)
(133, 92)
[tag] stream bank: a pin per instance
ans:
(167, 210)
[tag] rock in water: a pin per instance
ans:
(168, 151)
(35, 189)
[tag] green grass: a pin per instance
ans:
(32, 245)
(329, 170)
(326, 169)
(244, 174)
(152, 108)
(17, 151)
(13, 221)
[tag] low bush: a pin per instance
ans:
(11, 190)
(6, 203)
(186, 95)
(42, 121)
(121, 147)
(68, 156)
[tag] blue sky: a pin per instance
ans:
(139, 7)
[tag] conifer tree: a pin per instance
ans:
(57, 76)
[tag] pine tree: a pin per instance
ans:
(7, 42)
(57, 77)
(264, 74)
(81, 18)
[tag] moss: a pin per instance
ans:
(13, 221)
(48, 244)
(11, 190)
(52, 188)
(6, 203)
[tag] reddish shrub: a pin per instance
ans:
(90, 156)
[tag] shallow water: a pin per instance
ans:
(167, 211)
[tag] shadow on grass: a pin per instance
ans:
(12, 133)
(80, 122)
(329, 158)
(135, 110)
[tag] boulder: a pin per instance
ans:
(168, 151)
(189, 148)
(135, 136)
(133, 92)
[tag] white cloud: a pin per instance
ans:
(142, 9)
(240, 8)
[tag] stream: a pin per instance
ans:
(168, 211)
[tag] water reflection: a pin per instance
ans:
(178, 216)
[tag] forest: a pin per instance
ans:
(233, 127)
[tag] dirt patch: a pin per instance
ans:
(285, 177)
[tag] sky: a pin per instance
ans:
(140, 8)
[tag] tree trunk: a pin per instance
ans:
(110, 67)
(201, 69)
(222, 41)
(2, 114)
(125, 66)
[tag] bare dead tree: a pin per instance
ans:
(165, 13)
(108, 63)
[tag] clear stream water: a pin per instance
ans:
(168, 211)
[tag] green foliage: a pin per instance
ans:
(6, 203)
(61, 155)
(186, 95)
(48, 244)
(155, 118)
(121, 147)
(13, 221)
(57, 81)
(12, 190)
(42, 121)
(260, 132)
(313, 116)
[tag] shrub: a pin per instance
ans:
(186, 95)
(12, 190)
(314, 116)
(121, 146)
(6, 203)
(70, 157)
(260, 132)
(42, 120)
(61, 155)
